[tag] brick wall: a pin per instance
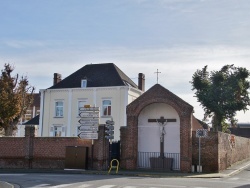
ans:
(49, 152)
(218, 151)
(12, 152)
(231, 152)
(209, 152)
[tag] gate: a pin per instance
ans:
(76, 157)
(115, 148)
(153, 161)
(114, 152)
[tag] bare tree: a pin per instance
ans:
(16, 95)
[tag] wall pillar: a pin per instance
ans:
(29, 143)
(129, 146)
(101, 151)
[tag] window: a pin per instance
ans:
(84, 83)
(57, 131)
(37, 112)
(106, 107)
(59, 109)
(27, 117)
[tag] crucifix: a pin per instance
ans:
(157, 72)
(162, 122)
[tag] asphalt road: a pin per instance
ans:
(38, 180)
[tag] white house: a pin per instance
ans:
(99, 85)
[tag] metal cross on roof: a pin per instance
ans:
(157, 72)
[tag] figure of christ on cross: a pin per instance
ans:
(162, 122)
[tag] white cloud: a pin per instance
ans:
(24, 43)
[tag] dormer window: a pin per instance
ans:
(84, 83)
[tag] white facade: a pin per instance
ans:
(59, 113)
(149, 133)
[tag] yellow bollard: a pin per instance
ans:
(111, 165)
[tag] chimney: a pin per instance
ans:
(57, 78)
(141, 82)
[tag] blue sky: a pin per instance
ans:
(41, 37)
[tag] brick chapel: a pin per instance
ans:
(158, 132)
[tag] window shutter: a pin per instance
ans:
(51, 133)
(63, 131)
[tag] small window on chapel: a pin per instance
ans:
(84, 83)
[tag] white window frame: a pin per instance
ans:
(37, 112)
(57, 128)
(27, 117)
(104, 106)
(56, 108)
(83, 83)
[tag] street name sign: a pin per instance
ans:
(88, 135)
(87, 128)
(91, 109)
(89, 114)
(89, 121)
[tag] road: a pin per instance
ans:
(39, 180)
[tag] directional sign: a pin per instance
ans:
(88, 128)
(88, 135)
(89, 121)
(110, 132)
(109, 137)
(109, 122)
(82, 109)
(110, 127)
(89, 114)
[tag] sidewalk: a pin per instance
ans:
(232, 170)
(236, 168)
(5, 185)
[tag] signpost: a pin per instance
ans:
(89, 122)
(200, 133)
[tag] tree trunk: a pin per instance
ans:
(10, 129)
(2, 131)
(217, 123)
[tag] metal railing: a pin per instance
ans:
(153, 160)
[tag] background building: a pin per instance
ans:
(99, 85)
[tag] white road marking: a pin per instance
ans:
(233, 178)
(106, 186)
(64, 185)
(40, 185)
(173, 186)
(83, 186)
(13, 174)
